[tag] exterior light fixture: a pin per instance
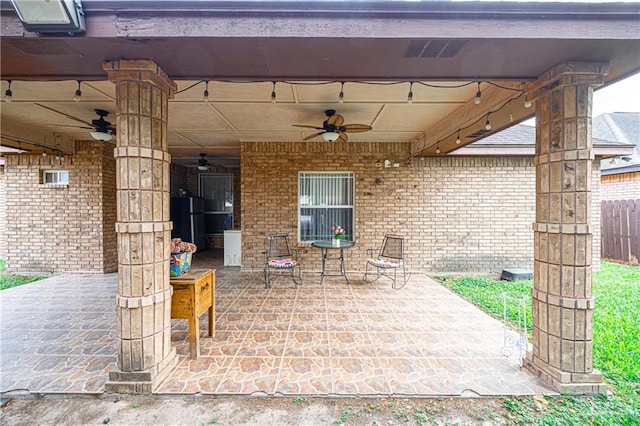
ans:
(273, 93)
(330, 136)
(78, 94)
(205, 94)
(458, 141)
(478, 97)
(341, 94)
(8, 94)
(50, 16)
(410, 94)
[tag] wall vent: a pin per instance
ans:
(436, 48)
(48, 46)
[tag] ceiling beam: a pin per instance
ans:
(471, 118)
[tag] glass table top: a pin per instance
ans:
(329, 244)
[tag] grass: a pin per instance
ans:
(12, 280)
(616, 325)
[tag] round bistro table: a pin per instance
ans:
(326, 246)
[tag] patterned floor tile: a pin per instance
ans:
(235, 322)
(271, 322)
(358, 376)
(308, 305)
(380, 322)
(263, 343)
(394, 345)
(411, 376)
(224, 343)
(307, 344)
(335, 338)
(194, 376)
(353, 344)
(247, 375)
(346, 321)
(305, 376)
(315, 321)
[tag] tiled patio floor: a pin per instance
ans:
(58, 336)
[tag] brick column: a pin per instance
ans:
(562, 299)
(143, 226)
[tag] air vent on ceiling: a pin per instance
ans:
(37, 46)
(438, 48)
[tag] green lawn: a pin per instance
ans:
(616, 325)
(13, 280)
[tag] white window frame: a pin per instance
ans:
(58, 177)
(347, 175)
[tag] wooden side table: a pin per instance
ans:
(193, 293)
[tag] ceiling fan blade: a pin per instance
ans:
(343, 137)
(355, 128)
(64, 114)
(315, 135)
(69, 125)
(307, 126)
(335, 120)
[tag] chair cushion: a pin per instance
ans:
(380, 262)
(282, 263)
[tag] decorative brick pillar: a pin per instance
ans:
(562, 299)
(143, 226)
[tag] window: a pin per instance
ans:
(55, 177)
(217, 191)
(325, 200)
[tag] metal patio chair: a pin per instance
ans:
(390, 257)
(279, 257)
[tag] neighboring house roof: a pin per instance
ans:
(624, 127)
(521, 138)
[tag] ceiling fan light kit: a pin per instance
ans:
(330, 136)
(101, 136)
(203, 163)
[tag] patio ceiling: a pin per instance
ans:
(241, 48)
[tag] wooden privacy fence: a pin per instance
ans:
(621, 230)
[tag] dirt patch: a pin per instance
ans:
(208, 410)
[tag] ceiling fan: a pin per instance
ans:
(102, 130)
(334, 129)
(203, 163)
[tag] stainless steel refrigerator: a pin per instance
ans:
(187, 215)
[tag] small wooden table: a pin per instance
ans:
(193, 293)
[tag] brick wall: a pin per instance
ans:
(3, 215)
(64, 228)
(624, 186)
(462, 214)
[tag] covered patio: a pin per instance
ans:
(59, 337)
(511, 62)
